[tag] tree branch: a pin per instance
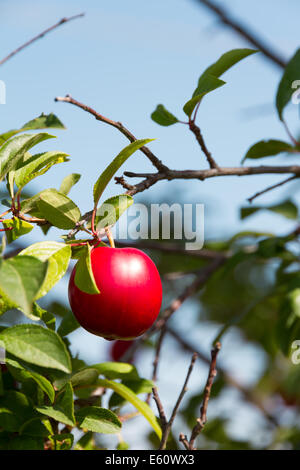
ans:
(153, 178)
(197, 133)
(167, 424)
(173, 248)
(201, 421)
(203, 276)
(243, 31)
(269, 188)
(39, 36)
(118, 125)
(247, 393)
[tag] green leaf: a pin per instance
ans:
(39, 313)
(15, 409)
(62, 441)
(113, 167)
(21, 374)
(86, 376)
(285, 88)
(268, 148)
(37, 345)
(84, 277)
(96, 419)
(287, 208)
(68, 325)
(86, 442)
(163, 117)
(41, 122)
(21, 279)
(117, 370)
(63, 409)
(18, 228)
(58, 209)
(36, 427)
(207, 81)
(30, 205)
(6, 305)
(12, 152)
(138, 386)
(6, 202)
(226, 61)
(128, 395)
(33, 166)
(207, 84)
(110, 370)
(68, 182)
(111, 210)
(58, 257)
(25, 443)
(44, 121)
(288, 326)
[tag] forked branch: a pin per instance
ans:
(201, 421)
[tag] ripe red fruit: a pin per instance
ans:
(130, 294)
(118, 349)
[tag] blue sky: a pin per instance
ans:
(123, 58)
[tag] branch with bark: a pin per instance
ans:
(167, 424)
(40, 36)
(168, 174)
(201, 421)
(243, 31)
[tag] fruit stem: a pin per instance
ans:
(95, 235)
(110, 237)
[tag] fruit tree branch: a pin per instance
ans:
(269, 188)
(243, 31)
(165, 173)
(201, 421)
(152, 178)
(202, 277)
(167, 424)
(248, 394)
(197, 133)
(39, 36)
(118, 125)
(173, 248)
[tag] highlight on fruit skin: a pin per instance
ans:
(130, 294)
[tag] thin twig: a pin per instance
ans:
(201, 421)
(167, 424)
(173, 248)
(165, 173)
(248, 394)
(160, 408)
(157, 354)
(243, 31)
(203, 276)
(197, 133)
(118, 125)
(156, 360)
(294, 141)
(183, 438)
(269, 188)
(39, 36)
(179, 400)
